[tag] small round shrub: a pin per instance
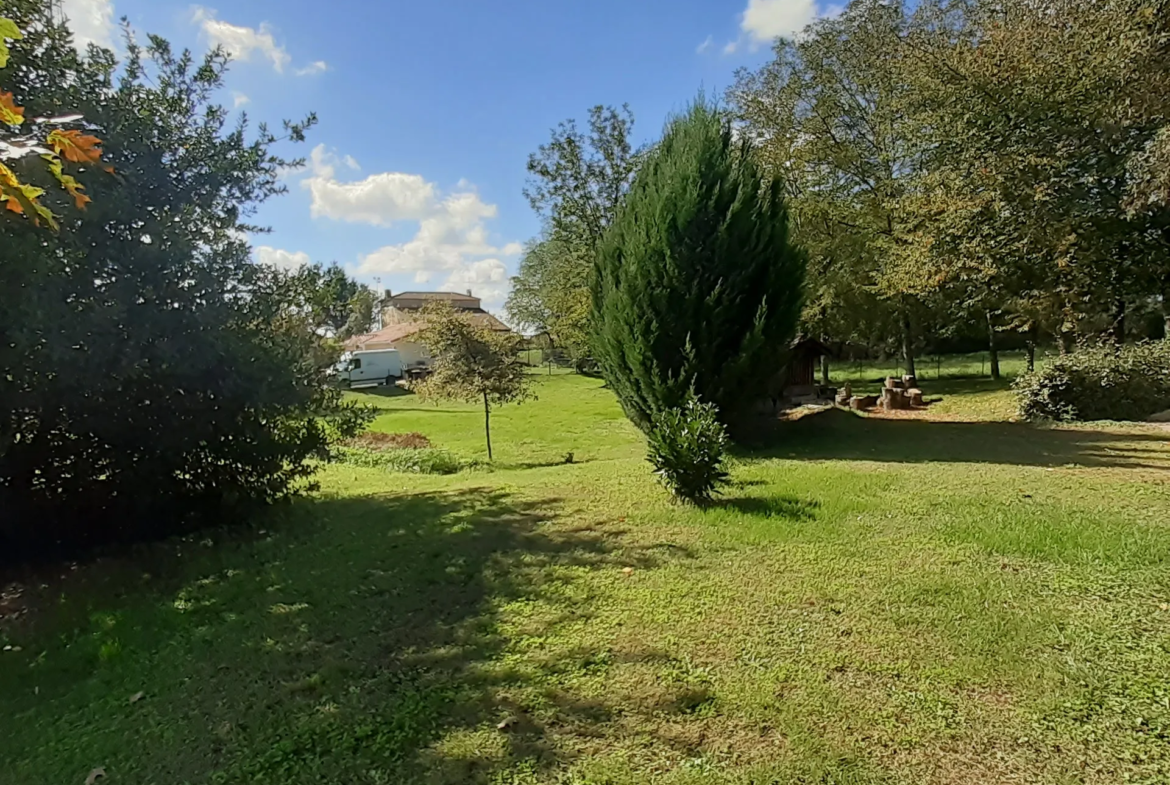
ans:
(686, 448)
(1099, 383)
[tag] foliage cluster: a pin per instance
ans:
(55, 140)
(577, 182)
(957, 165)
(697, 286)
(1099, 383)
(686, 448)
(154, 377)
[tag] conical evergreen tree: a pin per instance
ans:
(696, 281)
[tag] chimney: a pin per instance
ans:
(468, 292)
(389, 294)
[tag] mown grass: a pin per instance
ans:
(869, 374)
(874, 601)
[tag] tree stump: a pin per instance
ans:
(909, 382)
(893, 399)
(915, 396)
(893, 383)
(862, 402)
(844, 395)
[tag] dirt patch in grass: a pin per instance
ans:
(389, 441)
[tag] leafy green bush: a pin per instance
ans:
(153, 379)
(428, 460)
(1099, 383)
(687, 447)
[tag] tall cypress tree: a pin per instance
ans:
(696, 282)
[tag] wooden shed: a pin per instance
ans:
(795, 381)
(803, 358)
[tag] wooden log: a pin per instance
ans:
(894, 399)
(862, 402)
(893, 383)
(909, 382)
(915, 397)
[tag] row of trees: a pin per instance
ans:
(954, 168)
(154, 378)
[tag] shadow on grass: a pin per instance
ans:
(785, 507)
(840, 435)
(341, 646)
(384, 391)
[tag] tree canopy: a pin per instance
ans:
(577, 183)
(952, 163)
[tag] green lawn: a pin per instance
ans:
(870, 374)
(875, 601)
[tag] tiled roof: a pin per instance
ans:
(431, 296)
(391, 334)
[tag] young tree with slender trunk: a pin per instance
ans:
(473, 364)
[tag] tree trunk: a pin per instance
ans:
(992, 349)
(1119, 321)
(825, 369)
(487, 425)
(1166, 306)
(908, 344)
(1033, 329)
(1067, 341)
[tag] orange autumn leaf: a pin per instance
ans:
(76, 146)
(75, 189)
(10, 113)
(21, 198)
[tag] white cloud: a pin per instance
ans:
(318, 67)
(452, 247)
(241, 42)
(731, 47)
(487, 278)
(92, 21)
(764, 20)
(703, 47)
(239, 99)
(278, 257)
(380, 199)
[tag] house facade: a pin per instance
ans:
(398, 322)
(406, 307)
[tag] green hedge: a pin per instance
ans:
(1099, 383)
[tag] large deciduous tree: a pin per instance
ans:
(550, 294)
(828, 115)
(338, 305)
(1039, 113)
(576, 183)
(154, 377)
(697, 284)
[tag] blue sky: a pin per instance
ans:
(428, 110)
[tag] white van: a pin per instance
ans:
(380, 366)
